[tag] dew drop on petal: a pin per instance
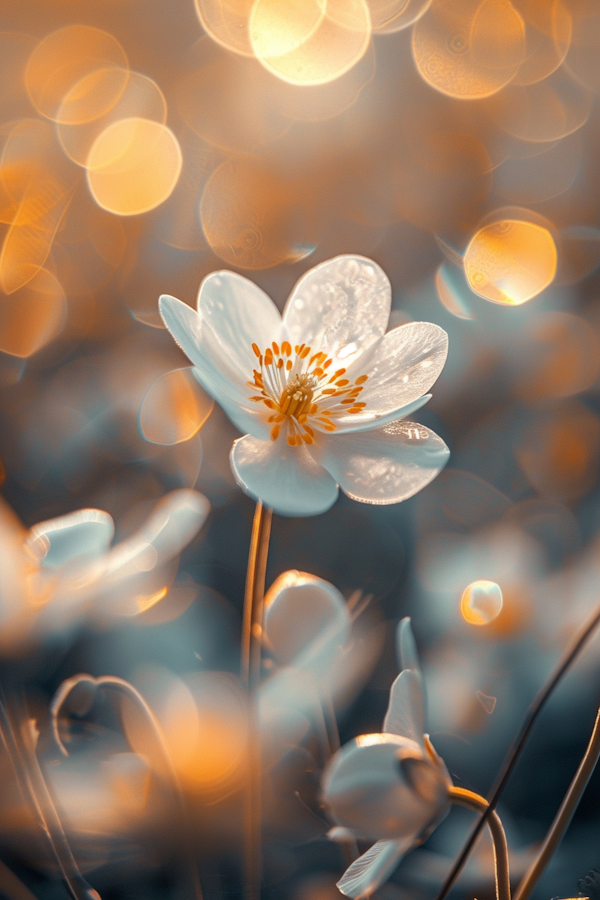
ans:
(481, 602)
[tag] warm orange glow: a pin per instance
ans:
(309, 41)
(481, 602)
(559, 452)
(510, 261)
(175, 408)
(546, 111)
(226, 21)
(468, 48)
(389, 16)
(140, 97)
(564, 358)
(225, 99)
(244, 213)
(62, 60)
(133, 166)
(548, 28)
(32, 316)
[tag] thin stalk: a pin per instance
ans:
(127, 690)
(463, 797)
(12, 887)
(252, 627)
(34, 788)
(514, 753)
(564, 814)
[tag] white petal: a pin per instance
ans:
(305, 617)
(82, 535)
(247, 420)
(184, 324)
(239, 314)
(403, 366)
(216, 371)
(341, 306)
(172, 524)
(374, 867)
(285, 478)
(407, 653)
(404, 715)
(383, 466)
(367, 420)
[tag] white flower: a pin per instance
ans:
(321, 390)
(390, 787)
(61, 569)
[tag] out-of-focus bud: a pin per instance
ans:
(384, 786)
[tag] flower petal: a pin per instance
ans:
(374, 867)
(383, 466)
(214, 370)
(184, 324)
(285, 478)
(341, 307)
(367, 421)
(247, 420)
(404, 715)
(402, 367)
(306, 620)
(238, 314)
(171, 526)
(406, 648)
(78, 536)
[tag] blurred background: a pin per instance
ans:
(145, 144)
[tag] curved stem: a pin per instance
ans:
(127, 690)
(473, 801)
(250, 674)
(21, 750)
(515, 751)
(564, 814)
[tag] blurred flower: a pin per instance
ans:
(321, 391)
(391, 787)
(61, 569)
(306, 621)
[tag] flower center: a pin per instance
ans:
(299, 388)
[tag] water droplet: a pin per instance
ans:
(481, 602)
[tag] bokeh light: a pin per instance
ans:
(510, 261)
(468, 48)
(133, 166)
(309, 41)
(481, 602)
(175, 408)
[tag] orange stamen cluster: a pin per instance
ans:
(299, 388)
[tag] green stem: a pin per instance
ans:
(250, 673)
(463, 797)
(564, 814)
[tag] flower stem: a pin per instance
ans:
(19, 744)
(515, 751)
(473, 801)
(250, 673)
(125, 689)
(564, 814)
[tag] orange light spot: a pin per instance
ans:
(133, 166)
(175, 408)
